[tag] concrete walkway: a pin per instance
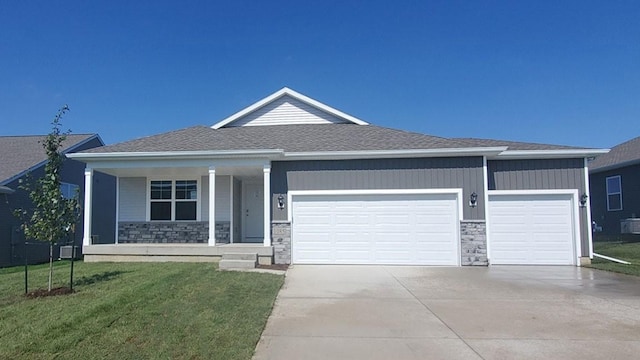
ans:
(374, 312)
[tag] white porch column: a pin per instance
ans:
(88, 202)
(212, 206)
(267, 204)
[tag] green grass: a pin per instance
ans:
(628, 251)
(136, 311)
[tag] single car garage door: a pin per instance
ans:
(531, 229)
(408, 229)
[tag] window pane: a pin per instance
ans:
(613, 185)
(615, 202)
(161, 190)
(160, 211)
(69, 191)
(185, 210)
(186, 189)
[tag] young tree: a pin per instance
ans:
(52, 216)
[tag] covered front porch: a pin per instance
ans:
(173, 252)
(188, 210)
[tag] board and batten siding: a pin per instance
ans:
(368, 174)
(132, 199)
(286, 111)
(542, 174)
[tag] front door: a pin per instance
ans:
(252, 212)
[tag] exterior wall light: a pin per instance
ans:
(583, 200)
(280, 202)
(473, 199)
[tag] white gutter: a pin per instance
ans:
(612, 259)
(550, 154)
(378, 154)
(165, 155)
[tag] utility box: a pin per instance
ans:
(68, 252)
(630, 226)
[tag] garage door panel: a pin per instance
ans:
(531, 229)
(377, 229)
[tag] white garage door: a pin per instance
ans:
(408, 229)
(531, 229)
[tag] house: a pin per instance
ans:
(614, 180)
(296, 181)
(22, 155)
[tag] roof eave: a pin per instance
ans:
(405, 153)
(176, 155)
(614, 166)
(549, 154)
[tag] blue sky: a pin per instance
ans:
(562, 72)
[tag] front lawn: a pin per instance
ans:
(136, 311)
(628, 251)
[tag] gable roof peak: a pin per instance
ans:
(255, 114)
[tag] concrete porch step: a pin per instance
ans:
(238, 261)
(240, 256)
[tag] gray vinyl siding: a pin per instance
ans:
(630, 181)
(12, 248)
(536, 174)
(414, 173)
(133, 199)
(543, 174)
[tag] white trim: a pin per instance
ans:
(231, 209)
(379, 154)
(606, 186)
(147, 155)
(88, 203)
(296, 95)
(577, 238)
(485, 181)
(446, 191)
(267, 204)
(550, 154)
(117, 208)
(212, 206)
(173, 199)
(588, 207)
(456, 191)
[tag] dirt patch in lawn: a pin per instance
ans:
(282, 267)
(63, 290)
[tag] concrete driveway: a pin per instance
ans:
(376, 312)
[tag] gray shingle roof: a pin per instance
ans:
(305, 138)
(290, 138)
(514, 145)
(21, 153)
(620, 155)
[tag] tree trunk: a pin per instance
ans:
(50, 265)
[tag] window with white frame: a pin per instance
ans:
(69, 191)
(173, 200)
(614, 193)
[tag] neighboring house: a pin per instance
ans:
(296, 181)
(614, 180)
(22, 155)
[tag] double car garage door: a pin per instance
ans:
(423, 229)
(407, 229)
